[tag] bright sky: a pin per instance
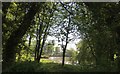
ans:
(70, 44)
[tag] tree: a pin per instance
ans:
(110, 12)
(18, 34)
(43, 30)
(64, 28)
(97, 27)
(85, 55)
(72, 54)
(92, 22)
(49, 48)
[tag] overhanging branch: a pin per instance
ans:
(65, 8)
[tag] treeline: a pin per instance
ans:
(97, 24)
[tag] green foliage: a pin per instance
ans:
(97, 29)
(72, 54)
(85, 55)
(97, 24)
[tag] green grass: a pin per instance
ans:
(46, 61)
(41, 67)
(53, 67)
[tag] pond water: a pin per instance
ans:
(59, 60)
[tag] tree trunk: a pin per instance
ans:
(9, 53)
(44, 39)
(64, 48)
(38, 45)
(118, 43)
(38, 38)
(39, 34)
(64, 51)
(63, 57)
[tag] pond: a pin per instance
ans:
(59, 60)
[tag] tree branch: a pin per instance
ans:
(66, 8)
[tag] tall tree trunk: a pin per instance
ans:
(63, 57)
(64, 48)
(9, 50)
(39, 41)
(38, 38)
(44, 39)
(118, 43)
(39, 34)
